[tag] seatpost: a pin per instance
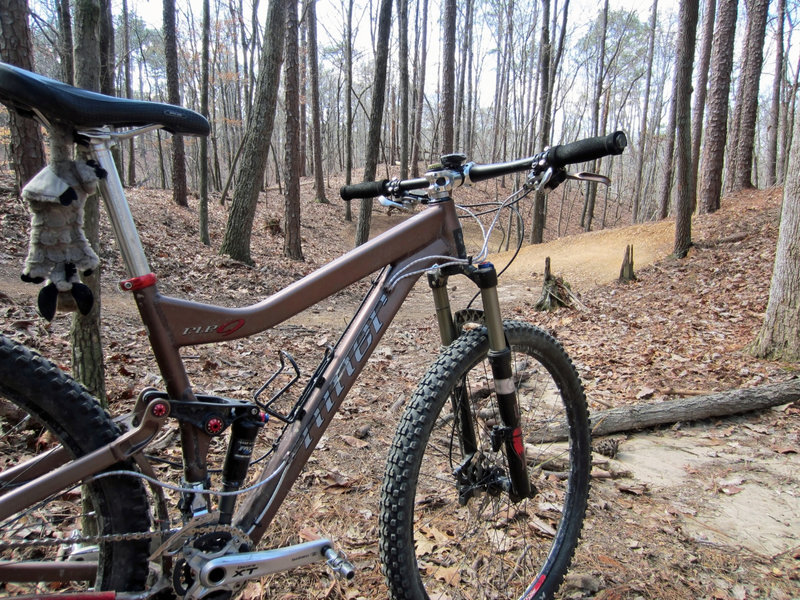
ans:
(119, 213)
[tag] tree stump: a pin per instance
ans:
(555, 292)
(626, 272)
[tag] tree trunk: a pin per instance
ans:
(591, 188)
(402, 59)
(775, 110)
(16, 48)
(702, 90)
(683, 122)
(448, 75)
(238, 231)
(637, 194)
(460, 102)
(65, 48)
(416, 140)
(693, 408)
(348, 42)
(716, 129)
(85, 337)
(537, 230)
(179, 192)
(316, 117)
(779, 337)
(665, 192)
(126, 66)
(291, 84)
(204, 68)
(740, 164)
(376, 117)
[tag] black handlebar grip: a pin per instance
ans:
(588, 149)
(365, 189)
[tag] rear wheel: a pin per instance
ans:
(41, 408)
(448, 526)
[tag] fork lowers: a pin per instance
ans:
(499, 357)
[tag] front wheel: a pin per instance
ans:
(448, 526)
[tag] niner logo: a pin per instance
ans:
(224, 329)
(356, 354)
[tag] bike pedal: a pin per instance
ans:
(340, 565)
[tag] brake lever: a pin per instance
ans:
(593, 177)
(407, 202)
(389, 203)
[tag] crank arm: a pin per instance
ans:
(236, 569)
(593, 177)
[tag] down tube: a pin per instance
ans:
(350, 357)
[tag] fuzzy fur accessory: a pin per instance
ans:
(58, 250)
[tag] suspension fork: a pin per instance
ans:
(462, 410)
(509, 433)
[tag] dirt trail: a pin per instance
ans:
(593, 258)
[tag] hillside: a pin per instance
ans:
(709, 510)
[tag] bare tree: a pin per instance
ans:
(775, 109)
(179, 191)
(250, 172)
(545, 49)
(779, 337)
(745, 112)
(204, 75)
(591, 189)
(348, 42)
(65, 42)
(637, 194)
(126, 67)
(85, 336)
(402, 59)
(700, 97)
(716, 129)
(16, 48)
(291, 85)
(316, 118)
(376, 116)
(448, 74)
(419, 93)
(687, 31)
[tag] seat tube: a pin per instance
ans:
(502, 371)
(119, 212)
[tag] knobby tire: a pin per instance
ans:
(443, 539)
(41, 407)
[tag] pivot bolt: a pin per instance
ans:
(160, 410)
(214, 426)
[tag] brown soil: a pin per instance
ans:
(709, 510)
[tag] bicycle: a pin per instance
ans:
(472, 453)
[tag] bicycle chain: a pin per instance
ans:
(121, 537)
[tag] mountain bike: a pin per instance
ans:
(492, 451)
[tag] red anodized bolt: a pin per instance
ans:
(214, 426)
(160, 410)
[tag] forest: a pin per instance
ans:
(345, 92)
(305, 96)
(495, 80)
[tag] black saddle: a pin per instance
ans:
(23, 91)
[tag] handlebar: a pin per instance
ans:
(588, 149)
(555, 157)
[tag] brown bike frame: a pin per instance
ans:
(171, 323)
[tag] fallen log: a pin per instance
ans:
(720, 404)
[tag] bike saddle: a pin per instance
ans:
(27, 93)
